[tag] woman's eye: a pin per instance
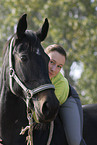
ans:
(23, 58)
(51, 62)
(59, 66)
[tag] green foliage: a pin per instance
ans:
(73, 24)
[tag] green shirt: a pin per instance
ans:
(61, 87)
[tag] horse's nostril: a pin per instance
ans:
(45, 109)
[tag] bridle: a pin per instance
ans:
(12, 75)
(30, 93)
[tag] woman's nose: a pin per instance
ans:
(54, 67)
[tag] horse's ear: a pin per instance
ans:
(42, 32)
(22, 26)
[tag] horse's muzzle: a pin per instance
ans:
(46, 108)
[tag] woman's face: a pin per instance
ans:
(56, 62)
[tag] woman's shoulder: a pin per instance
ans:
(59, 78)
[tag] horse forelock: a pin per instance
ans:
(29, 41)
(33, 40)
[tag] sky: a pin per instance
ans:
(76, 70)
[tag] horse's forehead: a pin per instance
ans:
(34, 41)
(30, 42)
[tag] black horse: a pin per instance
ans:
(25, 83)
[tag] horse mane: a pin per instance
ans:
(6, 45)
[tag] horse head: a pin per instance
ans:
(29, 77)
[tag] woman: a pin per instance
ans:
(70, 106)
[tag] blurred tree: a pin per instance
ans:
(73, 25)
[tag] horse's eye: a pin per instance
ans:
(24, 58)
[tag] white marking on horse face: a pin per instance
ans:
(38, 51)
